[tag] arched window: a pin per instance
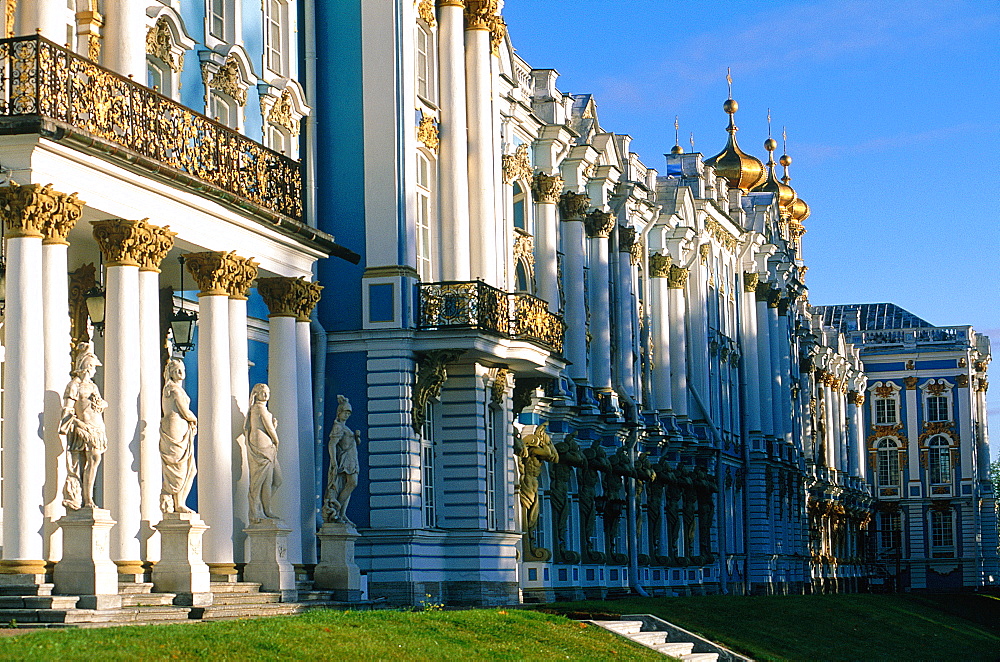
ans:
(887, 457)
(520, 201)
(223, 109)
(522, 281)
(425, 178)
(276, 36)
(939, 459)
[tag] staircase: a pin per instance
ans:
(658, 640)
(35, 606)
(245, 599)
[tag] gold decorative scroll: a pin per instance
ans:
(498, 32)
(425, 10)
(721, 234)
(500, 384)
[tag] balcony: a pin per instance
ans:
(476, 305)
(49, 90)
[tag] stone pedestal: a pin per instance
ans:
(180, 569)
(337, 570)
(86, 568)
(268, 564)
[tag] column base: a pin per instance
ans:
(180, 569)
(18, 567)
(336, 570)
(131, 572)
(268, 563)
(86, 568)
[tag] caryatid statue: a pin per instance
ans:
(588, 477)
(262, 451)
(82, 424)
(342, 475)
(706, 488)
(531, 451)
(614, 498)
(644, 477)
(685, 478)
(560, 475)
(178, 428)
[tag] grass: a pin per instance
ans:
(830, 627)
(495, 634)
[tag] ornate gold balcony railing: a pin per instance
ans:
(39, 79)
(476, 305)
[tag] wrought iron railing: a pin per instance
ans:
(476, 305)
(40, 79)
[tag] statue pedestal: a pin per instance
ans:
(337, 570)
(181, 569)
(268, 564)
(86, 568)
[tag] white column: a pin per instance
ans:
(853, 435)
(151, 377)
(678, 339)
(659, 270)
(121, 390)
(282, 378)
(215, 429)
(748, 319)
(239, 378)
(625, 306)
(46, 16)
(575, 346)
(307, 437)
(453, 164)
(546, 192)
(57, 362)
(479, 107)
(775, 336)
(766, 371)
(600, 300)
(124, 49)
(24, 386)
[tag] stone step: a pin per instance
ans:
(675, 648)
(148, 599)
(218, 612)
(623, 627)
(700, 657)
(38, 601)
(245, 598)
(649, 638)
(137, 615)
(134, 588)
(315, 596)
(27, 589)
(235, 587)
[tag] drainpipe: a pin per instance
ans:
(311, 120)
(320, 340)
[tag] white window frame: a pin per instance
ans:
(887, 463)
(428, 469)
(276, 39)
(426, 173)
(882, 405)
(492, 455)
(942, 389)
(942, 529)
(217, 99)
(424, 63)
(939, 466)
(221, 17)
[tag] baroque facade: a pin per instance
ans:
(568, 374)
(583, 376)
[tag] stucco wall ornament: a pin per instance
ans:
(178, 428)
(524, 249)
(227, 79)
(721, 234)
(280, 114)
(342, 474)
(546, 188)
(498, 391)
(159, 44)
(428, 134)
(431, 376)
(83, 430)
(498, 33)
(10, 17)
(425, 10)
(517, 165)
(262, 452)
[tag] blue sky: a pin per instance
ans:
(891, 108)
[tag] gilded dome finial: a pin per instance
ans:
(677, 149)
(741, 170)
(784, 193)
(799, 210)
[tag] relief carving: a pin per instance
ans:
(547, 188)
(599, 224)
(517, 165)
(659, 265)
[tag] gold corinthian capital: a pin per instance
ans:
(289, 297)
(34, 210)
(215, 271)
(124, 243)
(479, 14)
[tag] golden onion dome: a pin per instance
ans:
(783, 192)
(676, 149)
(798, 210)
(741, 170)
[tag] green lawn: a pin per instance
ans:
(495, 634)
(830, 627)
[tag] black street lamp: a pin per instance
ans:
(183, 322)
